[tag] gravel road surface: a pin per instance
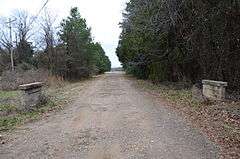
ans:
(111, 119)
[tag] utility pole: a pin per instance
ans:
(11, 45)
(10, 33)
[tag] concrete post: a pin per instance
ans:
(31, 95)
(215, 90)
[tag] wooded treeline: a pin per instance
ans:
(67, 50)
(182, 40)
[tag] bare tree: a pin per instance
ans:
(6, 46)
(23, 24)
(22, 28)
(48, 30)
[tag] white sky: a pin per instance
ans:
(103, 16)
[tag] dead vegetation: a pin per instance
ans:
(10, 80)
(220, 121)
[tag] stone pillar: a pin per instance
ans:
(31, 95)
(215, 90)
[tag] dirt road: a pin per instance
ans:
(111, 119)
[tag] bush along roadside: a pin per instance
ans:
(220, 121)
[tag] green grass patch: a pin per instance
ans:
(7, 108)
(10, 122)
(8, 94)
(7, 123)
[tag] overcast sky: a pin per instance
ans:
(103, 16)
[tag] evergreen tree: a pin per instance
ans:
(24, 52)
(83, 56)
(76, 37)
(176, 40)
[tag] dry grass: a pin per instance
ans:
(182, 96)
(54, 81)
(10, 80)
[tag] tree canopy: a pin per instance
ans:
(177, 40)
(71, 53)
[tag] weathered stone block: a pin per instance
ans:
(215, 90)
(31, 95)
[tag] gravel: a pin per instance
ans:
(111, 119)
